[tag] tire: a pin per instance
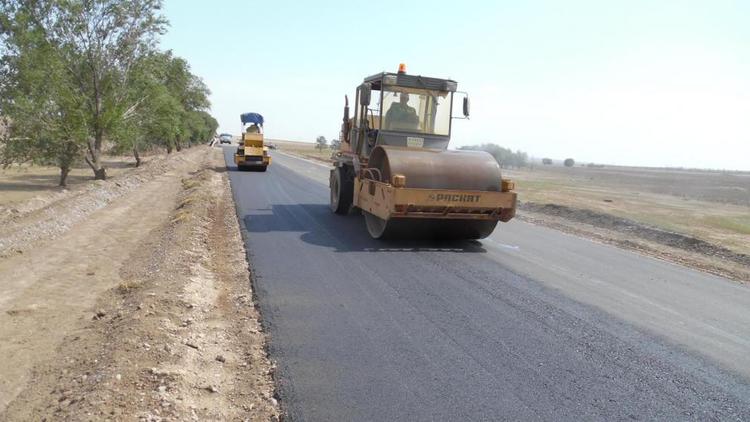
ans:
(377, 227)
(342, 190)
(264, 168)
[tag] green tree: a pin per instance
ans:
(520, 159)
(154, 116)
(505, 157)
(191, 94)
(321, 143)
(569, 162)
(97, 43)
(78, 73)
(38, 97)
(169, 106)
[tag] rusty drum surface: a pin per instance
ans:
(429, 169)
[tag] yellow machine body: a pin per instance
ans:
(401, 185)
(252, 154)
(395, 166)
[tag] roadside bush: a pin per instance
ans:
(504, 156)
(569, 162)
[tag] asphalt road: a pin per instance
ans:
(530, 324)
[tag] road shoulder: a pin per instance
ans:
(171, 332)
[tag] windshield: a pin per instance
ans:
(416, 110)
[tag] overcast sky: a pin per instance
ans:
(656, 83)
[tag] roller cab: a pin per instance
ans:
(395, 166)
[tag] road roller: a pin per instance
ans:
(251, 154)
(395, 167)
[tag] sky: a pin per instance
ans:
(647, 83)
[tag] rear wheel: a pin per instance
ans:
(342, 191)
(377, 227)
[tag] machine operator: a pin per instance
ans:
(401, 115)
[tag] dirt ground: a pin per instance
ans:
(51, 211)
(694, 217)
(141, 309)
(20, 183)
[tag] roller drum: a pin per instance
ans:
(430, 169)
(438, 169)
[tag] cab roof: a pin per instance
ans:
(411, 81)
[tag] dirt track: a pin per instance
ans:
(144, 310)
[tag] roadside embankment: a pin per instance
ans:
(141, 309)
(49, 214)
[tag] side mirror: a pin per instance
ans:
(364, 95)
(467, 106)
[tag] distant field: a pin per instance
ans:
(712, 186)
(712, 206)
(707, 205)
(306, 149)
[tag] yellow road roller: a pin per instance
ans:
(394, 164)
(252, 154)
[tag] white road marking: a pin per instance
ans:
(502, 245)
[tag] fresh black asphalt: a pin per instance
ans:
(364, 330)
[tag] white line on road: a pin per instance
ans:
(502, 245)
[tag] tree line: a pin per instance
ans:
(81, 77)
(506, 157)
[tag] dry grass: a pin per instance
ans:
(704, 205)
(191, 197)
(129, 286)
(190, 183)
(304, 149)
